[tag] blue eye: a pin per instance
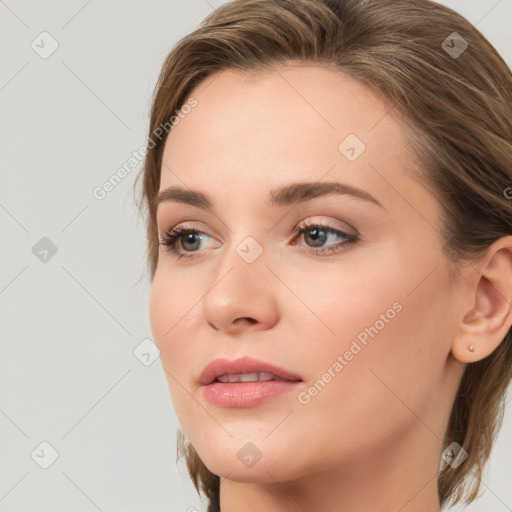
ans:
(317, 233)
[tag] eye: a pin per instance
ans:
(317, 234)
(189, 238)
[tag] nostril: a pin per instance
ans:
(247, 319)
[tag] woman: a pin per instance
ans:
(330, 249)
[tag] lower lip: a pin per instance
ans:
(246, 394)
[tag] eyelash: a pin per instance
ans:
(172, 236)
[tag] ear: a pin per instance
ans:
(485, 325)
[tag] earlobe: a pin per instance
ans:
(486, 324)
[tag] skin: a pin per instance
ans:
(371, 439)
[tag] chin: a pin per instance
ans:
(237, 465)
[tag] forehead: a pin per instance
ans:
(290, 103)
(292, 115)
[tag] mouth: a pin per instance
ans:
(249, 377)
(245, 370)
(245, 382)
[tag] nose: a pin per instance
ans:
(242, 296)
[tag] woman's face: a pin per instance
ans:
(359, 309)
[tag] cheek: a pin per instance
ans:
(166, 308)
(391, 338)
(161, 312)
(170, 318)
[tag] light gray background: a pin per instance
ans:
(70, 325)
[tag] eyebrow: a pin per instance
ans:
(284, 196)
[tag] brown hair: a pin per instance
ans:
(458, 112)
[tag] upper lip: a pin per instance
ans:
(243, 365)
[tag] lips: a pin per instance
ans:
(246, 364)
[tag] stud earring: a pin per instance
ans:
(471, 348)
